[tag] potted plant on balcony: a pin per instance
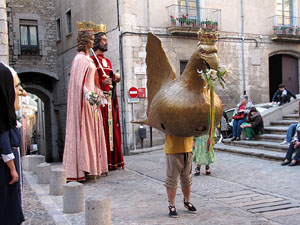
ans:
(202, 24)
(283, 29)
(209, 24)
(275, 29)
(182, 20)
(173, 21)
(291, 30)
(194, 23)
(215, 25)
(297, 30)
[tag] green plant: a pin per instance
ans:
(173, 20)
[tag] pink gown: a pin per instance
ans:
(85, 149)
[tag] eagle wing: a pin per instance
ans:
(159, 68)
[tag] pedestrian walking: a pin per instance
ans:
(179, 157)
(201, 156)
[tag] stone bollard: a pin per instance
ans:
(73, 198)
(30, 162)
(97, 211)
(57, 181)
(43, 172)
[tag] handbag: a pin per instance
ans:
(238, 116)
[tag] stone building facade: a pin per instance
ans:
(260, 57)
(250, 56)
(3, 33)
(33, 54)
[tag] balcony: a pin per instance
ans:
(285, 29)
(187, 20)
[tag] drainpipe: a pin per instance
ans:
(148, 13)
(243, 51)
(123, 105)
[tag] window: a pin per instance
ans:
(69, 21)
(284, 10)
(188, 7)
(58, 30)
(29, 37)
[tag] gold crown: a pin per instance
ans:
(99, 28)
(208, 37)
(85, 26)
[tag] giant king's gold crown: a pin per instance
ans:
(99, 28)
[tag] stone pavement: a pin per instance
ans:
(241, 190)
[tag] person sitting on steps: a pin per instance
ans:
(254, 125)
(240, 116)
(282, 95)
(294, 146)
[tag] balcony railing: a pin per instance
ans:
(191, 17)
(285, 28)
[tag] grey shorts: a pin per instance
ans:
(179, 165)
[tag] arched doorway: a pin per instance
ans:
(42, 85)
(283, 68)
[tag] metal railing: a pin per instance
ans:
(182, 16)
(285, 26)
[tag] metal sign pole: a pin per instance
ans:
(134, 144)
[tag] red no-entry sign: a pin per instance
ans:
(133, 92)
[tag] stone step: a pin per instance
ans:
(272, 137)
(294, 116)
(260, 153)
(258, 144)
(283, 122)
(276, 130)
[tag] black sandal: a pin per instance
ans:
(189, 206)
(197, 171)
(207, 170)
(173, 212)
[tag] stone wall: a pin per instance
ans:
(39, 70)
(43, 13)
(257, 26)
(3, 33)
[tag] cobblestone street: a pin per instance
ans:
(241, 190)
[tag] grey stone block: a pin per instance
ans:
(57, 181)
(30, 162)
(97, 211)
(73, 198)
(44, 173)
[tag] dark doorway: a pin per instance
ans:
(283, 69)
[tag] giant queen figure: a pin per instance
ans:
(106, 81)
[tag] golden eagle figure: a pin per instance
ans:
(180, 107)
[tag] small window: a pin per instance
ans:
(183, 64)
(69, 21)
(58, 30)
(29, 37)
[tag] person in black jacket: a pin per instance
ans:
(254, 125)
(282, 95)
(11, 212)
